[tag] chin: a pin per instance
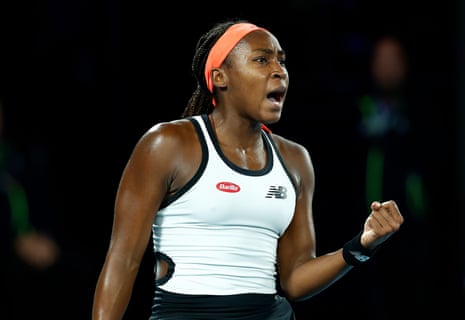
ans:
(272, 120)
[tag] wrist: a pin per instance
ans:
(354, 253)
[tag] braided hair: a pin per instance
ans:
(201, 100)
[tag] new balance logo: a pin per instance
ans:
(359, 256)
(276, 192)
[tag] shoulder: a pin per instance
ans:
(165, 158)
(290, 150)
(165, 134)
(297, 159)
(166, 141)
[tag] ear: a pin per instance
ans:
(219, 78)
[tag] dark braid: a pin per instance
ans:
(201, 100)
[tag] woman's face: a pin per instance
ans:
(256, 77)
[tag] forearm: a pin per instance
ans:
(113, 292)
(315, 275)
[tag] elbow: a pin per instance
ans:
(297, 296)
(295, 292)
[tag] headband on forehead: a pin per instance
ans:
(223, 47)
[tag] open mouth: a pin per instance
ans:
(276, 95)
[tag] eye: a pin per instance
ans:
(261, 59)
(282, 59)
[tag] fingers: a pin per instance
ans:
(376, 205)
(384, 220)
(385, 215)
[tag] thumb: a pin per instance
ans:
(376, 205)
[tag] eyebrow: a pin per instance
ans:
(271, 51)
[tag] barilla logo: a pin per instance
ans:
(228, 187)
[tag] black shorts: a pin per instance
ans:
(173, 306)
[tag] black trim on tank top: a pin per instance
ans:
(266, 169)
(278, 154)
(159, 258)
(198, 173)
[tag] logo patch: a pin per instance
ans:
(228, 187)
(277, 192)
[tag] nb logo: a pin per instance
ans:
(276, 192)
(359, 256)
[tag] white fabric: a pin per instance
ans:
(225, 242)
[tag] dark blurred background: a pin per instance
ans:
(85, 79)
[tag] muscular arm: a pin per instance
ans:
(302, 273)
(146, 180)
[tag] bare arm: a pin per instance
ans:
(145, 182)
(303, 273)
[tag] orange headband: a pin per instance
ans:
(223, 47)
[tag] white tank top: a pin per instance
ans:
(221, 229)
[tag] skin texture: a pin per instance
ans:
(169, 154)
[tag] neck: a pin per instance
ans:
(236, 134)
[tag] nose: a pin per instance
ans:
(280, 74)
(279, 71)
